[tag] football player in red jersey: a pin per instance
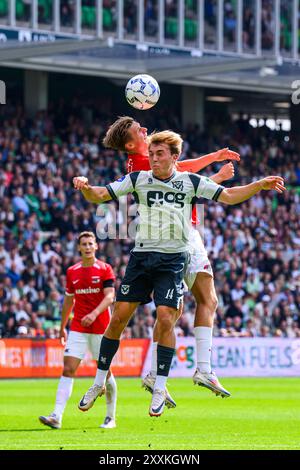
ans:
(89, 292)
(128, 135)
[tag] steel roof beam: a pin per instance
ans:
(30, 50)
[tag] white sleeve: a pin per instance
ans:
(121, 186)
(208, 189)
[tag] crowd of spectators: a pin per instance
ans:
(254, 247)
(171, 11)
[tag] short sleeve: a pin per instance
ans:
(108, 274)
(208, 189)
(120, 187)
(69, 285)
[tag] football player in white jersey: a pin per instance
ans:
(157, 264)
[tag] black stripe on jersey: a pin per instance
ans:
(111, 192)
(134, 176)
(217, 193)
(108, 283)
(195, 179)
(136, 197)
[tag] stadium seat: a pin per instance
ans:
(20, 10)
(171, 27)
(45, 8)
(3, 8)
(90, 17)
(190, 29)
(107, 19)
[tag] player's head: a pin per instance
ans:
(164, 150)
(87, 245)
(127, 135)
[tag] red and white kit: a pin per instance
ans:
(86, 284)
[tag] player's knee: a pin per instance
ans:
(69, 371)
(166, 319)
(116, 324)
(212, 303)
(209, 301)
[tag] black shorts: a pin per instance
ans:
(159, 273)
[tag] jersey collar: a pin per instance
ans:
(164, 180)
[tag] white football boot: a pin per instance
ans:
(53, 421)
(158, 402)
(148, 383)
(210, 381)
(90, 397)
(108, 423)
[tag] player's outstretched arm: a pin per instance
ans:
(95, 194)
(242, 193)
(225, 173)
(197, 164)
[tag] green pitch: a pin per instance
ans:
(261, 414)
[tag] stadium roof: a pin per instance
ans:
(107, 58)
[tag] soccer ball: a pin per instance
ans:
(142, 92)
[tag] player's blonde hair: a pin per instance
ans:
(86, 234)
(117, 135)
(170, 138)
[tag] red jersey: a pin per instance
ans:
(139, 162)
(87, 284)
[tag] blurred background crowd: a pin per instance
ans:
(254, 247)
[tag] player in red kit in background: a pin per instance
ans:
(89, 292)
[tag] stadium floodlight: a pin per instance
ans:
(282, 104)
(219, 99)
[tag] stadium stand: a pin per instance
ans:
(254, 248)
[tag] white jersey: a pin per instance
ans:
(164, 207)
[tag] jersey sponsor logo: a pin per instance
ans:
(125, 289)
(177, 185)
(158, 198)
(89, 290)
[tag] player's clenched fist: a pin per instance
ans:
(80, 182)
(227, 171)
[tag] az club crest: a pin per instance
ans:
(125, 289)
(178, 185)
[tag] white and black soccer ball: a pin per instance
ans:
(142, 91)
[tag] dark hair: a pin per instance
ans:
(117, 135)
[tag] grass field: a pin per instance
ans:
(261, 414)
